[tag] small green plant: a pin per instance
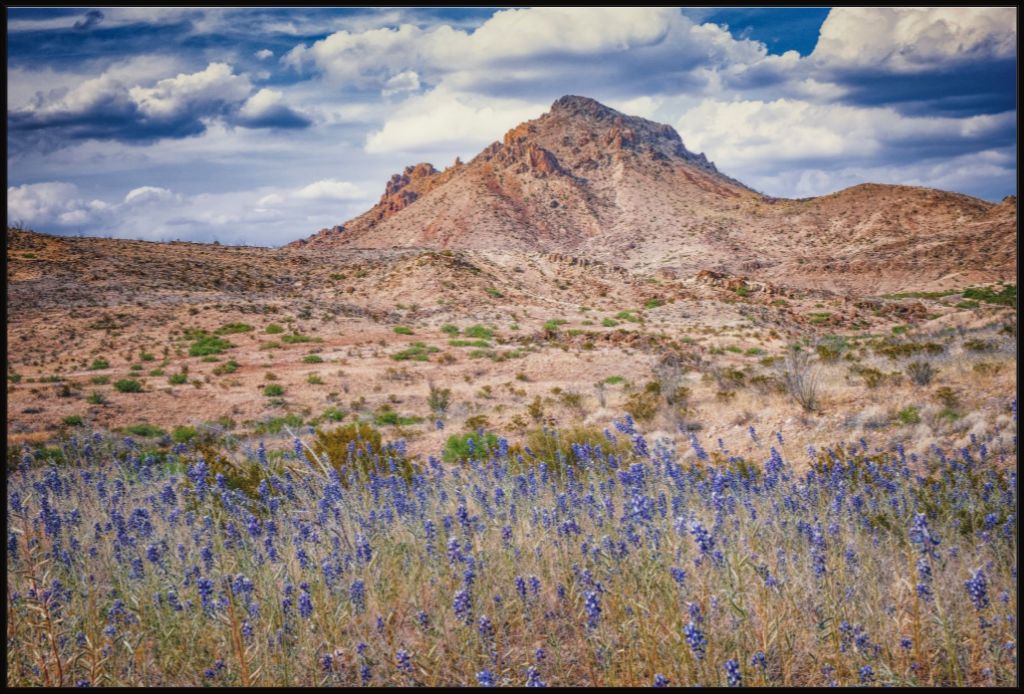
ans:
(417, 352)
(494, 293)
(206, 344)
(467, 445)
(96, 398)
(314, 380)
(228, 367)
(183, 434)
(99, 363)
(312, 359)
(403, 330)
(74, 420)
(178, 379)
(909, 415)
(274, 329)
(333, 414)
(920, 372)
(627, 316)
(450, 329)
(146, 356)
(479, 332)
(553, 324)
(653, 303)
(297, 339)
(145, 430)
(438, 400)
(128, 385)
(614, 380)
(273, 390)
(609, 322)
(233, 329)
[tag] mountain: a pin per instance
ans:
(586, 180)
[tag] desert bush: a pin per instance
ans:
(644, 405)
(403, 330)
(417, 352)
(356, 451)
(228, 367)
(145, 430)
(273, 390)
(99, 363)
(274, 329)
(178, 379)
(920, 372)
(460, 447)
(801, 378)
(206, 344)
(438, 400)
(128, 385)
(233, 328)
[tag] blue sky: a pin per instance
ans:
(263, 125)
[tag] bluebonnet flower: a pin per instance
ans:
(905, 643)
(678, 575)
(695, 638)
(867, 675)
(463, 606)
(977, 589)
(403, 661)
(592, 605)
(423, 618)
(305, 602)
(540, 655)
(485, 678)
(732, 673)
(357, 595)
(759, 660)
(533, 678)
(327, 663)
(660, 680)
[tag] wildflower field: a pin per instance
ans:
(751, 563)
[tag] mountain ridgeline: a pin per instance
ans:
(586, 180)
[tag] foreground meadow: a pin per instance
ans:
(596, 563)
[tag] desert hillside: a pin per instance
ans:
(586, 180)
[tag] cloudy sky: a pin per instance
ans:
(261, 126)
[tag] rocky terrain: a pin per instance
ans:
(586, 265)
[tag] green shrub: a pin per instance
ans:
(334, 414)
(276, 425)
(273, 390)
(1007, 296)
(234, 328)
(274, 329)
(450, 329)
(368, 455)
(228, 367)
(146, 356)
(96, 398)
(479, 332)
(653, 303)
(177, 379)
(494, 293)
(417, 352)
(99, 363)
(145, 430)
(297, 339)
(206, 344)
(920, 372)
(614, 380)
(183, 434)
(74, 420)
(609, 322)
(128, 385)
(312, 359)
(314, 380)
(627, 316)
(403, 330)
(156, 372)
(458, 446)
(909, 415)
(483, 344)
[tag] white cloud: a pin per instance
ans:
(329, 189)
(264, 53)
(444, 119)
(915, 39)
(766, 135)
(407, 81)
(171, 96)
(147, 194)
